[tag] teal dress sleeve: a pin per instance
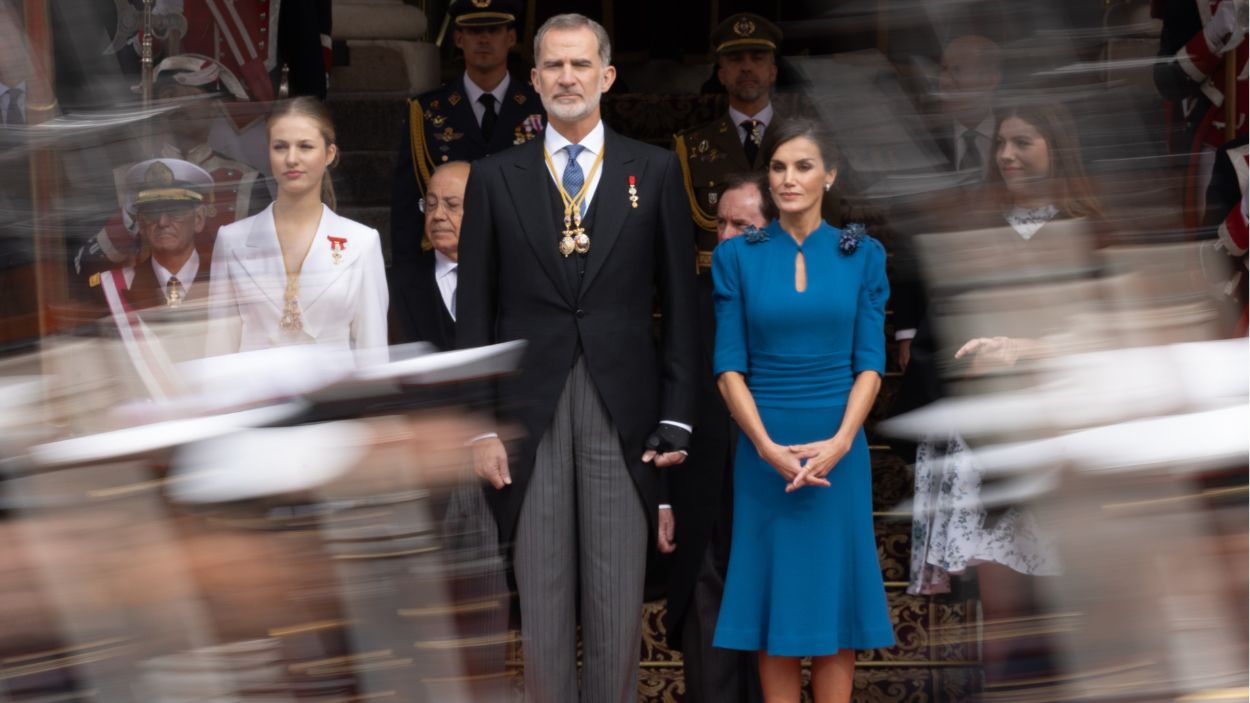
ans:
(731, 329)
(868, 351)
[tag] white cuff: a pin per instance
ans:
(682, 425)
(665, 506)
(900, 335)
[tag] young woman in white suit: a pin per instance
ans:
(297, 273)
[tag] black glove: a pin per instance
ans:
(669, 438)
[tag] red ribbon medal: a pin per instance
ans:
(337, 245)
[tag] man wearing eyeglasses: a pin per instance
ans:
(168, 201)
(423, 291)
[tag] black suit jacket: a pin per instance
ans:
(514, 285)
(417, 310)
(701, 489)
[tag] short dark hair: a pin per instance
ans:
(734, 181)
(785, 130)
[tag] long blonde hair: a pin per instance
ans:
(316, 111)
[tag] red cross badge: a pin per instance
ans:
(337, 245)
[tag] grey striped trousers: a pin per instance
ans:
(581, 545)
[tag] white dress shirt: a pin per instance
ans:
(473, 91)
(593, 143)
(984, 140)
(764, 117)
(186, 274)
(446, 276)
(6, 99)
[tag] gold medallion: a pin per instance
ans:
(574, 237)
(291, 321)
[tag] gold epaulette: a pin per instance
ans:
(701, 217)
(422, 162)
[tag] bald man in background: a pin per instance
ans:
(423, 291)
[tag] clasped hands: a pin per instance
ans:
(667, 446)
(806, 464)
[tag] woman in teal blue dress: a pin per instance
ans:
(800, 350)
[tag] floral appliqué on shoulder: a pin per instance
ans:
(754, 234)
(852, 235)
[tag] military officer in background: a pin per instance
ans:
(168, 199)
(482, 112)
(162, 297)
(238, 189)
(746, 46)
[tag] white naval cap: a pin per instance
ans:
(166, 181)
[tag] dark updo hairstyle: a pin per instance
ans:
(784, 130)
(316, 111)
(1073, 192)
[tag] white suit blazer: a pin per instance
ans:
(342, 304)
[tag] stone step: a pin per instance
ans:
(363, 178)
(368, 122)
(387, 65)
(385, 47)
(377, 19)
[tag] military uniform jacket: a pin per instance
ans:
(180, 333)
(1190, 74)
(145, 290)
(242, 34)
(708, 154)
(442, 128)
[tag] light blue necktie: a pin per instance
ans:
(574, 179)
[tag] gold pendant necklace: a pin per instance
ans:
(574, 237)
(291, 322)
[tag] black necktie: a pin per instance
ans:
(13, 113)
(972, 155)
(489, 117)
(751, 145)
